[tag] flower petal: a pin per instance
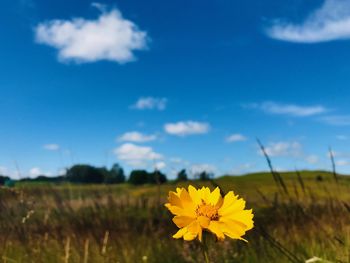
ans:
(204, 194)
(215, 228)
(203, 221)
(214, 197)
(182, 221)
(232, 228)
(196, 199)
(245, 217)
(174, 199)
(236, 206)
(228, 200)
(189, 236)
(180, 233)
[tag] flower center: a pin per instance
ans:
(208, 211)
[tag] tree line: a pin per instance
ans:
(88, 174)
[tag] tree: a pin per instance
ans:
(3, 179)
(138, 177)
(205, 176)
(115, 175)
(156, 177)
(82, 173)
(182, 175)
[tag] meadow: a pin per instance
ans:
(306, 219)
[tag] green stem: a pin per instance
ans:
(204, 248)
(206, 257)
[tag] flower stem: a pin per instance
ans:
(204, 248)
(205, 253)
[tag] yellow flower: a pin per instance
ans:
(198, 210)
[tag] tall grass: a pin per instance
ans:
(100, 223)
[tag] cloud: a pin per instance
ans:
(329, 22)
(160, 165)
(184, 128)
(135, 155)
(51, 147)
(150, 103)
(287, 109)
(109, 37)
(3, 170)
(135, 136)
(278, 149)
(204, 167)
(336, 120)
(242, 168)
(236, 138)
(342, 162)
(35, 171)
(312, 159)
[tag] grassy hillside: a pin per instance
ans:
(123, 223)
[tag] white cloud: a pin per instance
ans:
(3, 170)
(109, 37)
(342, 162)
(160, 165)
(135, 155)
(329, 22)
(176, 160)
(288, 109)
(236, 138)
(150, 103)
(312, 159)
(51, 147)
(135, 136)
(279, 149)
(184, 128)
(242, 168)
(35, 171)
(204, 167)
(336, 120)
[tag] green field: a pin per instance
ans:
(44, 223)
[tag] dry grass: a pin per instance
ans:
(98, 223)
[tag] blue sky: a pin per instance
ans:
(176, 84)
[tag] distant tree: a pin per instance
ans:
(116, 175)
(3, 179)
(205, 176)
(138, 177)
(82, 173)
(182, 175)
(157, 177)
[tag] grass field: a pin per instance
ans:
(42, 223)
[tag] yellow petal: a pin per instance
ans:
(185, 198)
(178, 190)
(203, 221)
(245, 217)
(215, 228)
(194, 227)
(233, 229)
(182, 221)
(228, 200)
(204, 194)
(196, 199)
(214, 197)
(180, 233)
(189, 236)
(174, 199)
(179, 211)
(236, 206)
